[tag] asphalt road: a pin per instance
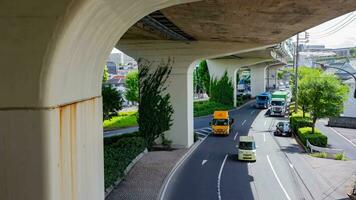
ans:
(212, 171)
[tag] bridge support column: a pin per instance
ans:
(52, 153)
(258, 79)
(181, 90)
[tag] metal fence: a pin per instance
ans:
(325, 150)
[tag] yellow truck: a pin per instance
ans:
(221, 124)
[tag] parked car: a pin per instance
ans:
(283, 129)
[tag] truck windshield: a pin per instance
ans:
(220, 122)
(277, 103)
(247, 146)
(262, 98)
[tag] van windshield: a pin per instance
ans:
(277, 103)
(247, 146)
(220, 122)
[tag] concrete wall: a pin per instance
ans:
(345, 122)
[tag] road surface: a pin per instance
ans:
(213, 172)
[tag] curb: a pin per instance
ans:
(176, 166)
(126, 171)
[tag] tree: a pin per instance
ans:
(131, 93)
(112, 101)
(222, 90)
(155, 109)
(203, 76)
(324, 96)
(105, 74)
(353, 52)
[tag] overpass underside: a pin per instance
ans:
(52, 57)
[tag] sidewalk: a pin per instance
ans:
(144, 180)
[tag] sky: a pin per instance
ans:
(321, 34)
(345, 37)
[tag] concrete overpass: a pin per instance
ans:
(52, 53)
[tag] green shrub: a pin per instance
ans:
(202, 108)
(316, 139)
(297, 121)
(340, 156)
(119, 151)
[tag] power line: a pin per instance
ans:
(335, 30)
(336, 24)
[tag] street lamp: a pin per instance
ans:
(353, 76)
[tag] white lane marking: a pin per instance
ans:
(236, 135)
(279, 181)
(290, 165)
(265, 123)
(243, 122)
(219, 177)
(204, 131)
(264, 137)
(343, 137)
(252, 112)
(175, 168)
(204, 161)
(202, 134)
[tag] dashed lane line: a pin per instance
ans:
(243, 122)
(236, 135)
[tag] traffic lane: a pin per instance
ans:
(274, 177)
(201, 122)
(336, 141)
(236, 182)
(310, 183)
(195, 180)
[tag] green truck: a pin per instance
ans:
(279, 103)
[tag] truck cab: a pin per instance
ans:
(278, 107)
(221, 124)
(246, 148)
(263, 100)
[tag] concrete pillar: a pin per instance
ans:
(52, 153)
(258, 79)
(181, 90)
(217, 68)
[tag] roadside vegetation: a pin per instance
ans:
(155, 111)
(319, 96)
(119, 151)
(123, 119)
(202, 108)
(220, 91)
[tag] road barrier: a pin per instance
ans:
(345, 122)
(324, 150)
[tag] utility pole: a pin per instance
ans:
(296, 75)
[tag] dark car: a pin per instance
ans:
(283, 129)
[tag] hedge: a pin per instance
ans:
(297, 121)
(119, 151)
(202, 108)
(316, 139)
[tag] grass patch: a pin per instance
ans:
(119, 151)
(320, 155)
(202, 108)
(340, 156)
(122, 120)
